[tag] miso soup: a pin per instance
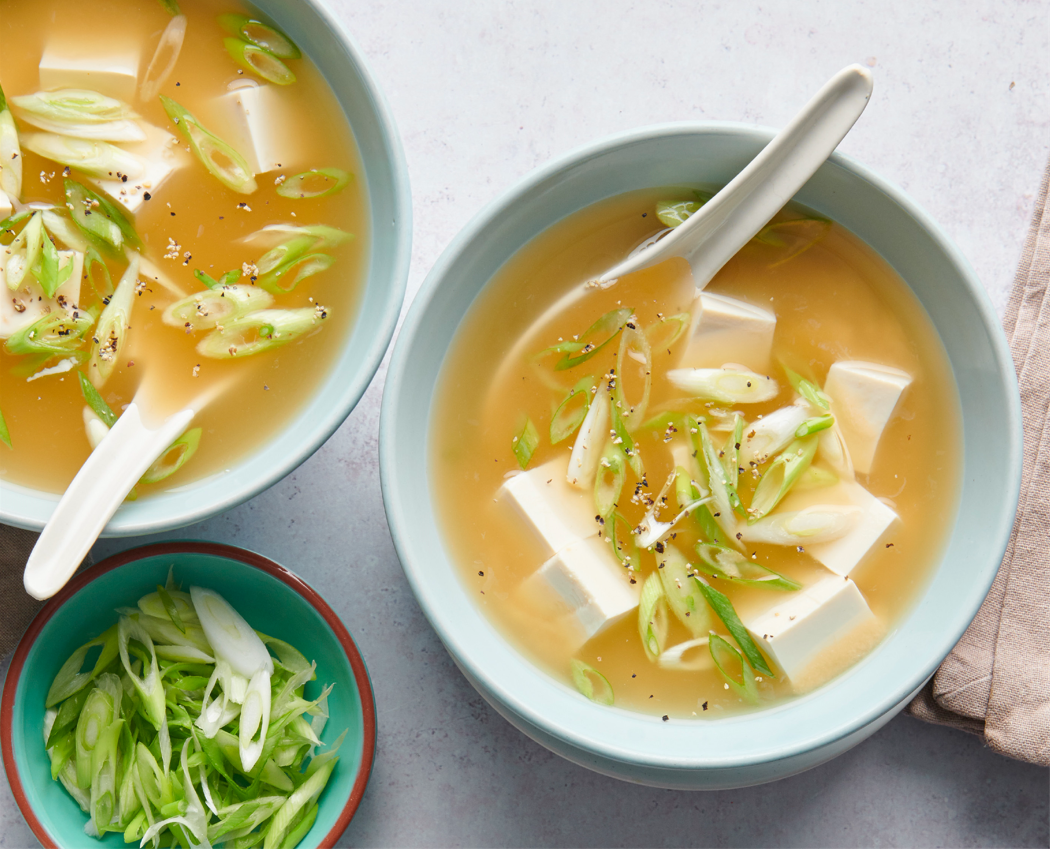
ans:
(689, 503)
(181, 196)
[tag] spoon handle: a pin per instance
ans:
(727, 222)
(96, 492)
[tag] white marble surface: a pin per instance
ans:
(483, 92)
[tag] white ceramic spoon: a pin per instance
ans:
(100, 487)
(727, 222)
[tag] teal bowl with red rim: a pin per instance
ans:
(271, 598)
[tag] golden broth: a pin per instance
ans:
(837, 300)
(204, 219)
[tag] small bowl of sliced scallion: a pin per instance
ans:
(188, 694)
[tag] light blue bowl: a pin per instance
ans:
(314, 27)
(271, 598)
(797, 735)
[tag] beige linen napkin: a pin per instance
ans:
(996, 681)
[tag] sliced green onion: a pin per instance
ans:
(675, 212)
(24, 251)
(770, 434)
(725, 495)
(70, 679)
(586, 450)
(67, 716)
(97, 158)
(10, 153)
(170, 6)
(315, 183)
(597, 336)
(204, 310)
(5, 434)
(678, 324)
(222, 161)
(62, 230)
(96, 716)
(725, 611)
(96, 402)
(807, 389)
(50, 275)
(633, 346)
(164, 57)
(731, 450)
(683, 597)
(626, 443)
(80, 114)
(261, 35)
(170, 608)
(7, 226)
(111, 333)
(228, 279)
(568, 416)
(591, 683)
(303, 797)
(525, 442)
(720, 561)
(625, 550)
(813, 525)
(286, 277)
(736, 673)
(793, 237)
(260, 331)
(277, 234)
(652, 616)
(98, 217)
(608, 483)
(58, 333)
(174, 458)
(726, 386)
(259, 61)
(780, 477)
(814, 425)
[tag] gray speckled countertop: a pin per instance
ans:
(483, 92)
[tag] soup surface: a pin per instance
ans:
(190, 222)
(534, 335)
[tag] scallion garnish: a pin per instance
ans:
(672, 213)
(725, 611)
(626, 442)
(98, 217)
(92, 156)
(5, 434)
(80, 114)
(228, 279)
(652, 616)
(731, 450)
(315, 183)
(58, 333)
(737, 675)
(261, 35)
(95, 401)
(591, 683)
(726, 386)
(259, 61)
(204, 310)
(678, 324)
(634, 346)
(222, 161)
(572, 410)
(174, 458)
(721, 561)
(683, 597)
(259, 331)
(171, 7)
(807, 389)
(525, 442)
(608, 483)
(581, 348)
(10, 152)
(820, 523)
(781, 476)
(111, 333)
(165, 56)
(814, 425)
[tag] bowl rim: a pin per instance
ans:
(381, 331)
(400, 528)
(241, 555)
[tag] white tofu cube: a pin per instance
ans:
(21, 307)
(161, 156)
(6, 207)
(872, 526)
(556, 513)
(728, 330)
(797, 629)
(79, 64)
(863, 398)
(585, 581)
(262, 125)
